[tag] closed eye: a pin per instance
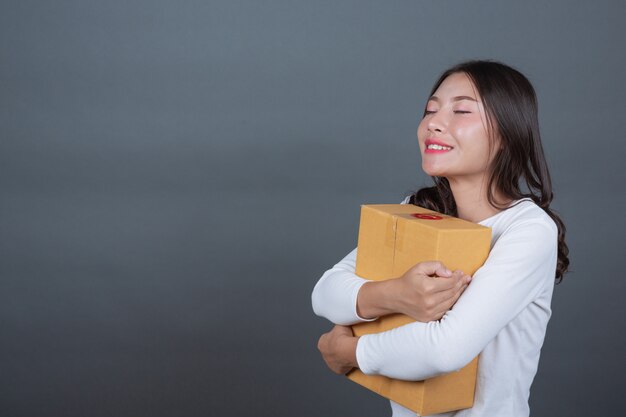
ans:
(462, 112)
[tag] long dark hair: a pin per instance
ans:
(519, 169)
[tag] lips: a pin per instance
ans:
(436, 146)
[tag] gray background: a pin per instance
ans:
(176, 175)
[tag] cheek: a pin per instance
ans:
(468, 125)
(421, 132)
(473, 133)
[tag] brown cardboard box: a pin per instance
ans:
(393, 238)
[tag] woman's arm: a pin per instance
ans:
(519, 266)
(335, 294)
(425, 292)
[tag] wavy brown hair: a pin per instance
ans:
(519, 168)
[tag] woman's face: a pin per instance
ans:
(453, 136)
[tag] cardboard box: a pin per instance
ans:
(392, 239)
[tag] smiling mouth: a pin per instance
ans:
(435, 147)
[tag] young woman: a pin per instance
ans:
(479, 140)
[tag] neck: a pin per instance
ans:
(471, 199)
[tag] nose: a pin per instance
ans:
(437, 122)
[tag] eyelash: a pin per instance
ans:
(427, 112)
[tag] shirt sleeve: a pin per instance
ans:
(519, 266)
(335, 294)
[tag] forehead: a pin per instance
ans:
(456, 85)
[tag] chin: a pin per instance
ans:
(433, 171)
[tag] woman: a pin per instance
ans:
(479, 140)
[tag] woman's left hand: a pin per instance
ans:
(338, 348)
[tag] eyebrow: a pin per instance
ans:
(457, 98)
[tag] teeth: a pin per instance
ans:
(439, 147)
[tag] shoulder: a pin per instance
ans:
(525, 219)
(524, 242)
(526, 212)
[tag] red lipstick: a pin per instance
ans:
(441, 147)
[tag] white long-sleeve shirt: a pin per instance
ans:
(503, 315)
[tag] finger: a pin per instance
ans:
(445, 305)
(457, 295)
(454, 294)
(447, 284)
(446, 295)
(433, 268)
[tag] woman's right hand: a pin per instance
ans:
(428, 290)
(425, 292)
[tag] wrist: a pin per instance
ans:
(373, 300)
(390, 295)
(349, 352)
